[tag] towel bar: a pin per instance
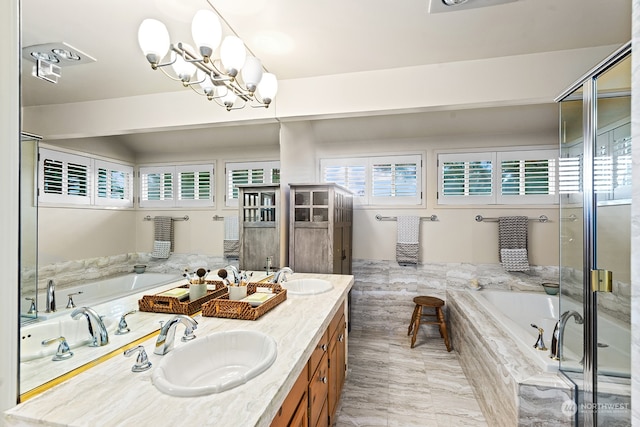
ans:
(394, 218)
(218, 218)
(184, 218)
(541, 218)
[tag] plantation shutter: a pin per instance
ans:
(64, 178)
(114, 184)
(466, 178)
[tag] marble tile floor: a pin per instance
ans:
(390, 384)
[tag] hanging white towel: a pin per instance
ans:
(161, 249)
(231, 242)
(408, 240)
(515, 259)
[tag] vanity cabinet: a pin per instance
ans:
(259, 226)
(320, 228)
(316, 393)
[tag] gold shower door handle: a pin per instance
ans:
(601, 280)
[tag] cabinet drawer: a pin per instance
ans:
(318, 390)
(294, 400)
(335, 322)
(320, 350)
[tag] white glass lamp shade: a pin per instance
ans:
(252, 73)
(205, 83)
(268, 87)
(206, 32)
(183, 69)
(229, 98)
(153, 38)
(232, 54)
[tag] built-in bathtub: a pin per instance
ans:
(101, 291)
(517, 384)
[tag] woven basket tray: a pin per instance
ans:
(166, 304)
(223, 307)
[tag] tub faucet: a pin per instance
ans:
(96, 326)
(281, 275)
(165, 341)
(51, 297)
(558, 332)
(539, 342)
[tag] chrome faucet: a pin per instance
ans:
(558, 332)
(96, 326)
(165, 341)
(539, 342)
(281, 275)
(51, 297)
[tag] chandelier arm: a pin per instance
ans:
(177, 79)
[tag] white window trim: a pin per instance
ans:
(268, 166)
(496, 157)
(174, 201)
(368, 162)
(114, 166)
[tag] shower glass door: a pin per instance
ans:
(612, 242)
(595, 237)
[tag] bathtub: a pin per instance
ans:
(516, 311)
(106, 290)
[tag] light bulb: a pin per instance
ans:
(252, 73)
(153, 39)
(184, 70)
(229, 98)
(232, 54)
(268, 87)
(205, 83)
(206, 32)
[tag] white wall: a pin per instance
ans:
(9, 161)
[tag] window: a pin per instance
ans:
(509, 177)
(114, 184)
(378, 180)
(67, 178)
(249, 173)
(177, 186)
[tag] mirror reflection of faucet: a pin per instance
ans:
(32, 307)
(51, 297)
(95, 324)
(539, 342)
(63, 352)
(70, 303)
(123, 327)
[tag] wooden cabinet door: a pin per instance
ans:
(318, 388)
(301, 416)
(291, 405)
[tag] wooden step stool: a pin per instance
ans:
(429, 302)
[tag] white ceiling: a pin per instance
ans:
(297, 39)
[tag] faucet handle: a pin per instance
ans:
(539, 342)
(123, 327)
(70, 303)
(63, 352)
(142, 361)
(32, 307)
(188, 333)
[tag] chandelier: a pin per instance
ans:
(233, 80)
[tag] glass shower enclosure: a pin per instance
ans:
(595, 242)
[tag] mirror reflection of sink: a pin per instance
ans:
(75, 332)
(307, 286)
(214, 363)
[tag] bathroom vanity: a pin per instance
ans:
(308, 330)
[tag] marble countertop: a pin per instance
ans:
(109, 394)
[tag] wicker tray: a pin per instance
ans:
(223, 307)
(167, 304)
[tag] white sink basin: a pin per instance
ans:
(214, 363)
(307, 286)
(76, 332)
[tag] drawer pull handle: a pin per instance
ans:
(341, 337)
(323, 380)
(324, 347)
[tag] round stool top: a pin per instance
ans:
(428, 301)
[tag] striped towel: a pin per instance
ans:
(162, 237)
(231, 241)
(408, 243)
(512, 242)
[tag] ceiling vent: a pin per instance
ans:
(50, 58)
(439, 6)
